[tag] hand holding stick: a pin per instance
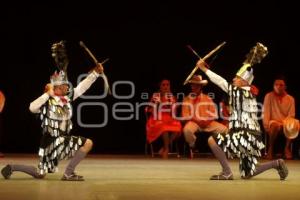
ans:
(202, 59)
(98, 65)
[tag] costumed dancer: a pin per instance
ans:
(55, 110)
(244, 137)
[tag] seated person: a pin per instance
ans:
(161, 121)
(278, 105)
(199, 112)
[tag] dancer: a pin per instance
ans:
(55, 110)
(244, 137)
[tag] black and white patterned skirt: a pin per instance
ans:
(53, 149)
(244, 144)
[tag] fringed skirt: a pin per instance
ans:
(53, 149)
(244, 144)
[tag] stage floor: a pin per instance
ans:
(127, 177)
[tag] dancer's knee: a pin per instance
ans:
(88, 145)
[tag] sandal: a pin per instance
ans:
(72, 177)
(6, 171)
(222, 176)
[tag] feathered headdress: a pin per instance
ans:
(61, 60)
(256, 54)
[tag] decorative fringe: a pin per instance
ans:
(244, 138)
(60, 148)
(244, 145)
(56, 143)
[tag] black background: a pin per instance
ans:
(145, 41)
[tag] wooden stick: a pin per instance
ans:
(97, 63)
(203, 59)
(89, 52)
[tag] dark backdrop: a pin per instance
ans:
(145, 41)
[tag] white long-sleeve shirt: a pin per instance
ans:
(81, 88)
(220, 81)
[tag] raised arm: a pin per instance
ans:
(215, 78)
(84, 85)
(37, 104)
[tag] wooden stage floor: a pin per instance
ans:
(137, 177)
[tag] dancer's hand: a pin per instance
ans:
(202, 65)
(99, 68)
(49, 89)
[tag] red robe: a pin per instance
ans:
(161, 120)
